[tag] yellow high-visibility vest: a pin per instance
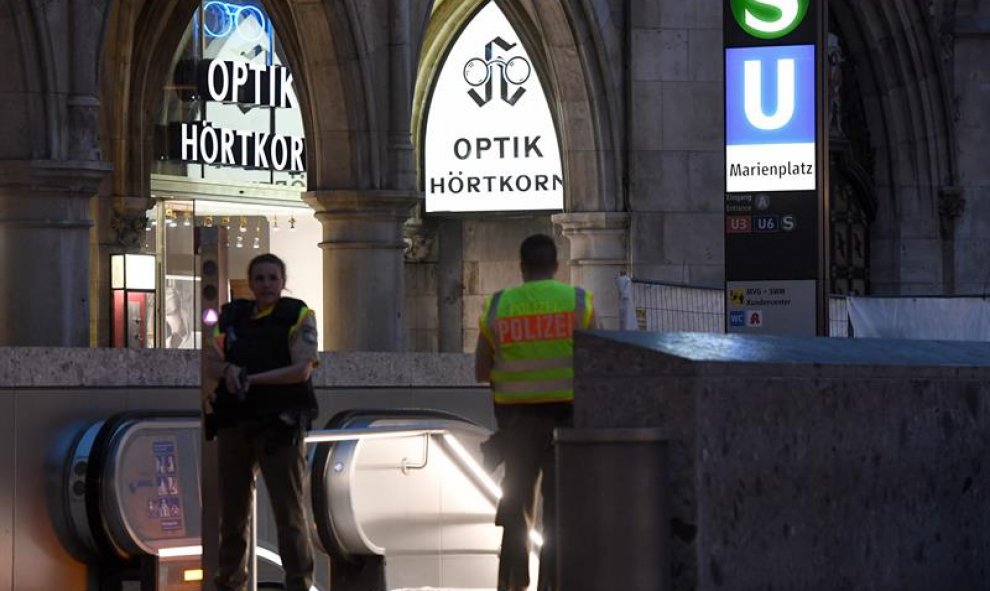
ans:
(530, 329)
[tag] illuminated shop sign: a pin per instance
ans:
(222, 19)
(490, 142)
(245, 83)
(238, 83)
(770, 118)
(203, 143)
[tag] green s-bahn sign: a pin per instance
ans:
(769, 19)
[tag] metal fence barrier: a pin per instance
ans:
(669, 307)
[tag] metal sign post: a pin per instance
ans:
(213, 274)
(776, 167)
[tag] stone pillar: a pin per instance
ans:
(362, 267)
(599, 251)
(44, 251)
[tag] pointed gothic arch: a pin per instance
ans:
(321, 47)
(904, 94)
(583, 107)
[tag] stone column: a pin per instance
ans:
(362, 267)
(599, 251)
(44, 251)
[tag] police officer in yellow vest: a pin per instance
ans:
(525, 349)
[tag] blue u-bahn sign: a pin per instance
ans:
(774, 166)
(770, 118)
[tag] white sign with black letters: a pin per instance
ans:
(490, 142)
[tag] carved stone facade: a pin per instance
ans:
(636, 96)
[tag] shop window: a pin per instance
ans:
(230, 86)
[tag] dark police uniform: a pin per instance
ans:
(263, 428)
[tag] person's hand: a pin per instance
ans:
(232, 379)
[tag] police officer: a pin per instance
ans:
(263, 353)
(525, 349)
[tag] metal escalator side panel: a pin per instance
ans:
(332, 510)
(343, 502)
(66, 469)
(435, 523)
(99, 454)
(149, 491)
(339, 530)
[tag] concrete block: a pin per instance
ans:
(807, 463)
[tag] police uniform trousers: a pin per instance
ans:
(526, 431)
(279, 451)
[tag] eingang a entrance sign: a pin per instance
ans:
(775, 166)
(490, 141)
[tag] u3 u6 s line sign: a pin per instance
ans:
(770, 118)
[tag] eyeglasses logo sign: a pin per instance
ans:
(511, 72)
(221, 19)
(769, 19)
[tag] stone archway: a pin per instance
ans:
(353, 185)
(911, 130)
(141, 36)
(572, 51)
(585, 107)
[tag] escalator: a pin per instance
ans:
(130, 501)
(399, 500)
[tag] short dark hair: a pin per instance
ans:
(538, 253)
(266, 258)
